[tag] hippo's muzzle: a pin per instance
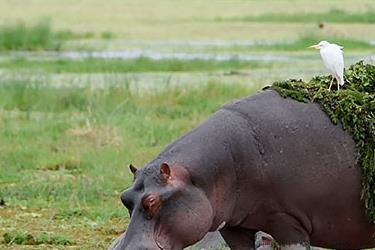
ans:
(121, 243)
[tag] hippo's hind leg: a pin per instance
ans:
(238, 238)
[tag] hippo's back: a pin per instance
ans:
(302, 131)
(309, 166)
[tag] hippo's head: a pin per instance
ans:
(167, 211)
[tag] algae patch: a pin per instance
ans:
(354, 107)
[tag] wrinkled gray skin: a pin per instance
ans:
(261, 163)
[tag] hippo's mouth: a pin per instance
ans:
(163, 242)
(119, 243)
(159, 245)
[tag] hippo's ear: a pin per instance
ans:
(165, 170)
(132, 169)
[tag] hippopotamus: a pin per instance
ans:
(260, 163)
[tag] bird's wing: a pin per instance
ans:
(339, 46)
(333, 59)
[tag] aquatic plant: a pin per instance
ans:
(354, 107)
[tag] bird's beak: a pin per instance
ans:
(316, 46)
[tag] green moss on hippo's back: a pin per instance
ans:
(354, 107)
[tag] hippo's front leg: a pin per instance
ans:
(238, 238)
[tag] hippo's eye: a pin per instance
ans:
(151, 203)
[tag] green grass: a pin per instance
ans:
(192, 20)
(82, 132)
(107, 35)
(25, 238)
(302, 43)
(64, 152)
(40, 36)
(332, 16)
(307, 40)
(90, 65)
(19, 36)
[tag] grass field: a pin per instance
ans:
(119, 66)
(198, 20)
(70, 125)
(332, 16)
(65, 152)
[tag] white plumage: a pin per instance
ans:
(333, 59)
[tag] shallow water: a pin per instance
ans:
(156, 55)
(283, 65)
(153, 81)
(181, 55)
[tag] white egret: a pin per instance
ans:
(333, 59)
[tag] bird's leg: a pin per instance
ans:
(337, 82)
(330, 85)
